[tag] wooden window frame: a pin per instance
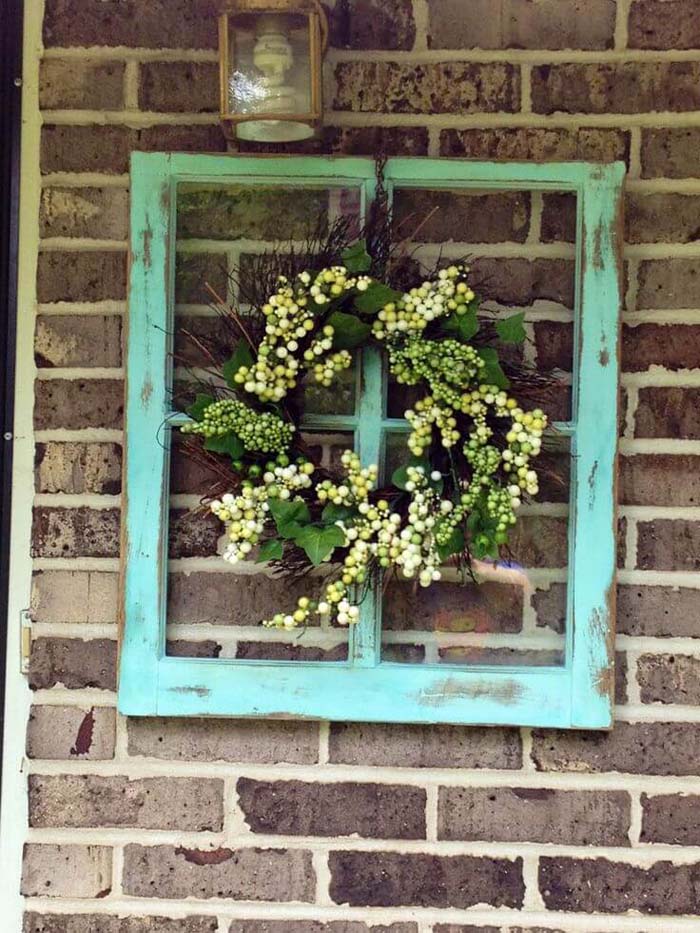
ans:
(578, 694)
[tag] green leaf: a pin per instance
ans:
(230, 444)
(399, 477)
(242, 356)
(492, 374)
(289, 516)
(375, 297)
(270, 550)
(463, 326)
(199, 406)
(337, 513)
(350, 331)
(319, 542)
(453, 545)
(510, 329)
(356, 258)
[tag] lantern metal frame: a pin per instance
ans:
(313, 11)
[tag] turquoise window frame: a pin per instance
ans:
(577, 694)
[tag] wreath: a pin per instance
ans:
(470, 449)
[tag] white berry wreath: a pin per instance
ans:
(469, 451)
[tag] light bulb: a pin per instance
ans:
(273, 55)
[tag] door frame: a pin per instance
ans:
(20, 51)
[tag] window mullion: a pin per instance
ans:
(365, 637)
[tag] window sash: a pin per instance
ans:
(364, 688)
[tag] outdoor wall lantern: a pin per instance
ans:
(270, 56)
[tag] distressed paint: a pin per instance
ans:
(575, 695)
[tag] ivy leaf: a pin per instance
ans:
(290, 517)
(270, 550)
(356, 258)
(350, 331)
(462, 326)
(492, 374)
(199, 406)
(453, 545)
(510, 329)
(337, 513)
(399, 477)
(230, 444)
(318, 542)
(242, 356)
(375, 296)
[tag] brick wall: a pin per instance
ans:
(279, 827)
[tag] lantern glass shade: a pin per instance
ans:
(271, 72)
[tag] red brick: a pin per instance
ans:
(662, 218)
(194, 271)
(318, 926)
(74, 596)
(540, 541)
(81, 84)
(239, 211)
(669, 678)
(466, 217)
(541, 144)
(392, 879)
(183, 648)
(65, 733)
(83, 801)
(599, 885)
(296, 808)
(229, 599)
(632, 748)
(668, 412)
(240, 874)
(554, 341)
(368, 140)
(78, 340)
(80, 532)
(106, 923)
(659, 479)
(85, 148)
(98, 148)
(626, 87)
(664, 24)
(664, 544)
(524, 814)
(520, 24)
(669, 283)
(74, 663)
(262, 741)
(99, 213)
(450, 607)
(78, 468)
(81, 276)
(671, 819)
(78, 403)
(658, 611)
(524, 281)
(154, 24)
(442, 87)
(424, 747)
(670, 152)
(71, 871)
(193, 534)
(673, 346)
(179, 87)
(558, 223)
(372, 24)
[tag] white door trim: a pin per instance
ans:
(13, 825)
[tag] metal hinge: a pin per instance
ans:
(25, 641)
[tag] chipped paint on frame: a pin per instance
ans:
(577, 694)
